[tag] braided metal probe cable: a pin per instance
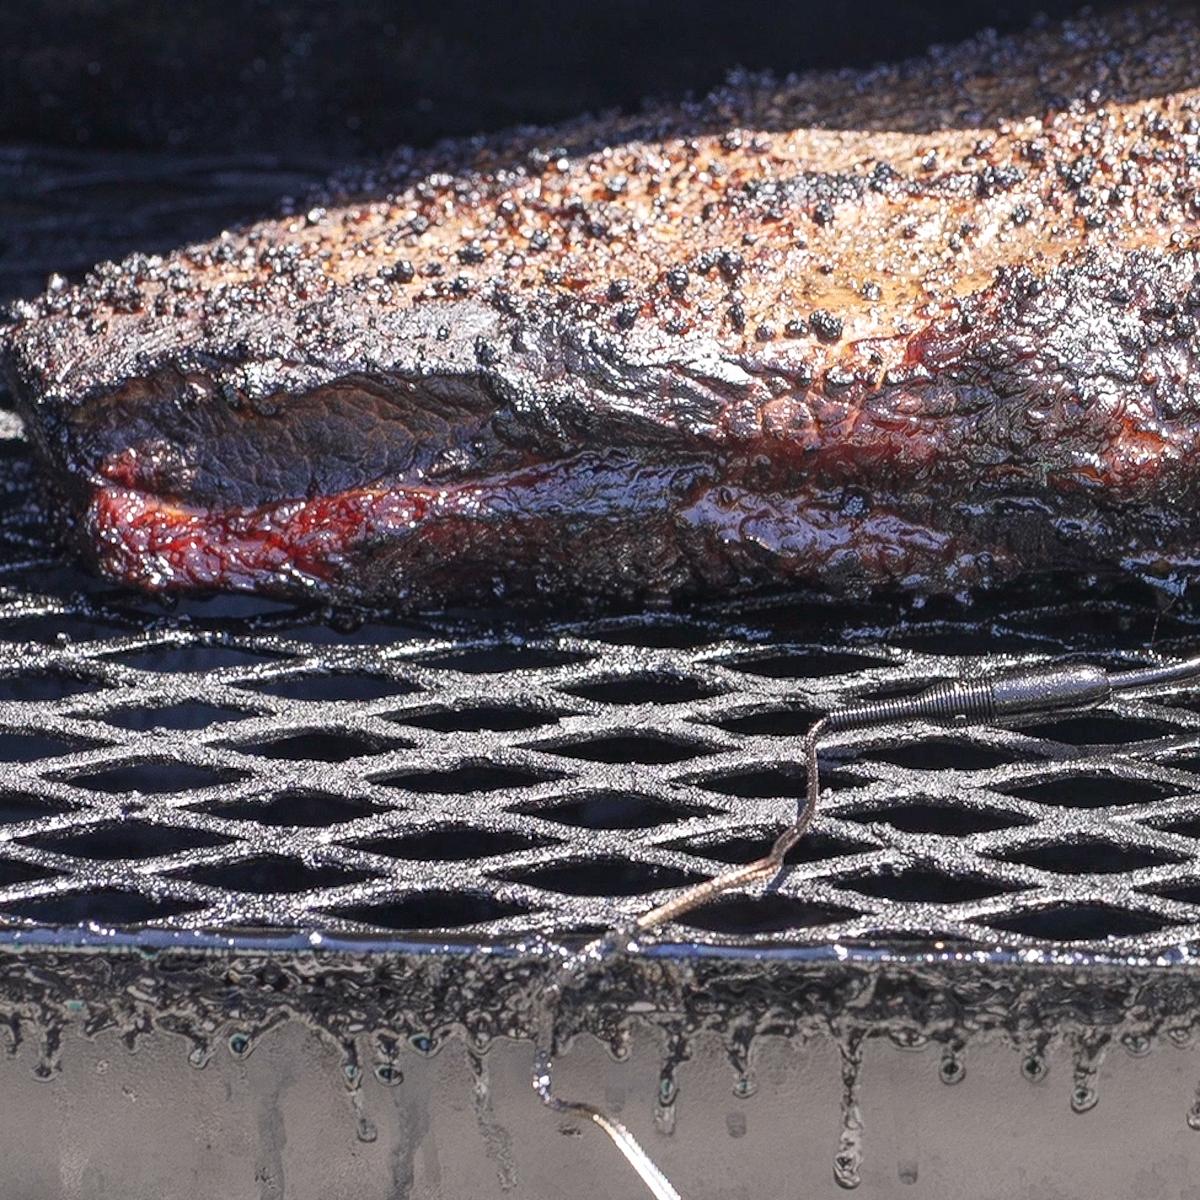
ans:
(964, 702)
(960, 701)
(572, 971)
(576, 967)
(762, 868)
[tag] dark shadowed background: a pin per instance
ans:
(345, 79)
(127, 125)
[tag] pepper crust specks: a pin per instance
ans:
(927, 326)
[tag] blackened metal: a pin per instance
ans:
(387, 1049)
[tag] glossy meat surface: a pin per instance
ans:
(930, 327)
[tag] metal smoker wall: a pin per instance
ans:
(275, 1073)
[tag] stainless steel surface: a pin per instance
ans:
(281, 1125)
(280, 1074)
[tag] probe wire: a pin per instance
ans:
(575, 968)
(967, 701)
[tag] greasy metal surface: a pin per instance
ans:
(234, 763)
(304, 1074)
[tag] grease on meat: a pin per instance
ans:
(928, 327)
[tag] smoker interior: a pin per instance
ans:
(235, 764)
(290, 880)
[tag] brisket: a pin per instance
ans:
(930, 327)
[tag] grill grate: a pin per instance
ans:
(237, 763)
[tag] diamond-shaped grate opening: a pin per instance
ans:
(126, 839)
(955, 640)
(1080, 923)
(18, 747)
(431, 910)
(316, 745)
(477, 777)
(336, 685)
(816, 847)
(1093, 791)
(614, 810)
(20, 806)
(756, 785)
(1087, 856)
(1186, 762)
(101, 906)
(768, 914)
(493, 718)
(924, 816)
(45, 685)
(272, 874)
(806, 664)
(631, 748)
(500, 660)
(655, 633)
(1117, 625)
(923, 885)
(1187, 893)
(1099, 729)
(193, 657)
(295, 807)
(12, 872)
(154, 777)
(945, 754)
(1187, 824)
(787, 721)
(172, 716)
(599, 876)
(645, 689)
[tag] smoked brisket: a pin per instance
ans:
(930, 327)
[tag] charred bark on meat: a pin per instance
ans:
(650, 363)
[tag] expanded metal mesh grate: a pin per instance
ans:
(235, 763)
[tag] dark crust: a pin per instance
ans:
(717, 347)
